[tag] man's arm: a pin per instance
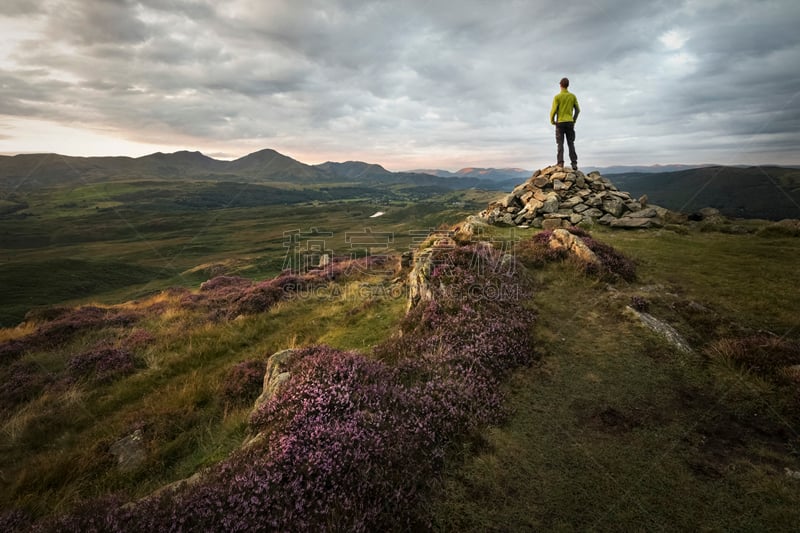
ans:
(554, 110)
(576, 110)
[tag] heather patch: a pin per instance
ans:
(13, 349)
(102, 364)
(138, 339)
(244, 381)
(226, 297)
(20, 382)
(611, 265)
(66, 325)
(64, 328)
(355, 443)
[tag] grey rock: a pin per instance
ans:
(570, 202)
(594, 200)
(550, 205)
(643, 213)
(559, 185)
(276, 375)
(631, 223)
(613, 206)
(129, 451)
(472, 226)
(509, 200)
(606, 219)
(662, 328)
(552, 223)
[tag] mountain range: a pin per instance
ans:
(519, 174)
(265, 166)
(746, 192)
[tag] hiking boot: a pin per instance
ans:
(574, 166)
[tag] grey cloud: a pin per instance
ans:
(98, 21)
(21, 7)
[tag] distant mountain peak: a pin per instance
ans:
(353, 169)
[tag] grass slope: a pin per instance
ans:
(616, 430)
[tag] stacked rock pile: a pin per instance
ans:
(555, 197)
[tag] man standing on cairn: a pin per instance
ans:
(563, 116)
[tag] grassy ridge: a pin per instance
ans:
(616, 430)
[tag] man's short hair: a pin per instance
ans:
(564, 82)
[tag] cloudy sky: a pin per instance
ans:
(405, 83)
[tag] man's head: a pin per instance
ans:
(564, 83)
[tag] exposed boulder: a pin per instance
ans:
(555, 197)
(419, 289)
(669, 333)
(276, 375)
(129, 451)
(564, 240)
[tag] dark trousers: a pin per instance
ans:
(566, 129)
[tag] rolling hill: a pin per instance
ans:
(771, 193)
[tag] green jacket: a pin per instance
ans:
(563, 105)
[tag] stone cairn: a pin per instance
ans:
(555, 197)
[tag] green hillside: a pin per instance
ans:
(771, 193)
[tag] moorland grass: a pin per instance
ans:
(616, 430)
(56, 448)
(745, 278)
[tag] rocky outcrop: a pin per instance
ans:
(130, 452)
(555, 197)
(663, 329)
(276, 375)
(564, 240)
(419, 289)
